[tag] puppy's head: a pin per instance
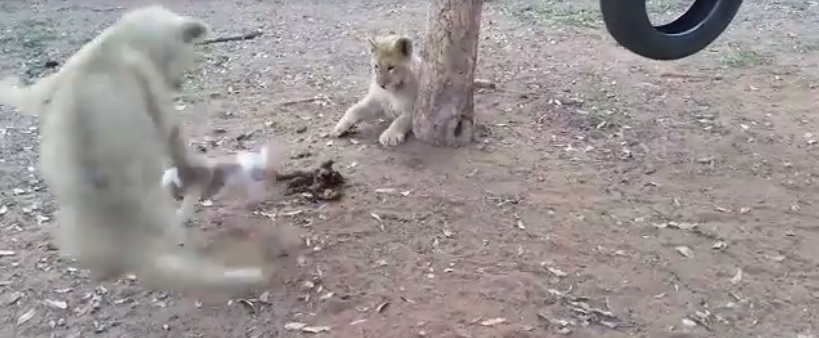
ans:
(171, 182)
(177, 188)
(168, 38)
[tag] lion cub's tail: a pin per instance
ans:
(12, 92)
(27, 99)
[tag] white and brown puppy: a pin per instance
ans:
(250, 173)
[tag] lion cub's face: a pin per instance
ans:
(167, 37)
(392, 60)
(183, 57)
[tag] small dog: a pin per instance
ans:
(252, 172)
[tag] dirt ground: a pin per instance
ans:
(606, 196)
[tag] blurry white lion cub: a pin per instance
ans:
(108, 126)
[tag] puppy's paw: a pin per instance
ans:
(392, 137)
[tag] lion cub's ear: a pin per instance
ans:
(372, 43)
(194, 30)
(404, 46)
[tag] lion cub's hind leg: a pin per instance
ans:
(82, 238)
(369, 108)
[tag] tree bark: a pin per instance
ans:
(444, 112)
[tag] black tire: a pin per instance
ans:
(705, 20)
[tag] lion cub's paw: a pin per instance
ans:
(341, 128)
(391, 137)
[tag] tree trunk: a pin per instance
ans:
(444, 112)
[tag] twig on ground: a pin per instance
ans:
(248, 36)
(16, 315)
(304, 100)
(103, 10)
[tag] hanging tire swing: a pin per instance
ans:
(705, 20)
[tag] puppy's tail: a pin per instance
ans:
(271, 156)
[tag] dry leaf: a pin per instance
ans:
(56, 304)
(315, 329)
(493, 321)
(520, 225)
(380, 221)
(685, 251)
(719, 245)
(13, 298)
(608, 324)
(737, 277)
(557, 272)
(683, 225)
(777, 258)
(3, 209)
(26, 317)
(293, 326)
(248, 304)
(688, 322)
(721, 209)
(292, 213)
(385, 191)
(265, 297)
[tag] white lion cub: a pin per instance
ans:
(108, 126)
(392, 92)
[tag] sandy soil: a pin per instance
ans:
(607, 195)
